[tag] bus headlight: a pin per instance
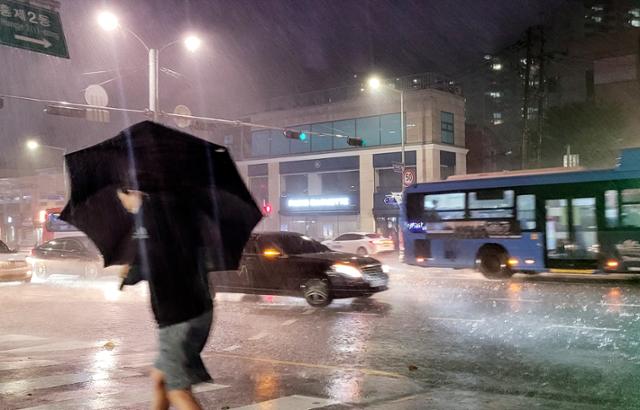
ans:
(347, 270)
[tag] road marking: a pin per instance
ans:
(621, 304)
(57, 346)
(19, 338)
(309, 311)
(45, 382)
(363, 370)
(295, 402)
(86, 399)
(359, 313)
(289, 322)
(456, 319)
(26, 364)
(604, 329)
(258, 336)
(231, 348)
(516, 300)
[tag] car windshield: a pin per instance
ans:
(4, 248)
(295, 245)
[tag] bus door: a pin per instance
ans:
(571, 233)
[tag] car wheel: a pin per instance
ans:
(494, 263)
(91, 270)
(365, 296)
(317, 293)
(41, 270)
(362, 251)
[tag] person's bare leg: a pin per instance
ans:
(183, 400)
(160, 398)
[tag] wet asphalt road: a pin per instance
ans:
(437, 339)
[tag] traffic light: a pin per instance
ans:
(66, 111)
(266, 209)
(355, 142)
(295, 135)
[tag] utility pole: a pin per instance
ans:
(525, 102)
(542, 89)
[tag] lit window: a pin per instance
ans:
(597, 19)
(495, 94)
(597, 8)
(635, 12)
(496, 66)
(497, 118)
(635, 22)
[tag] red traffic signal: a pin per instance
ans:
(266, 209)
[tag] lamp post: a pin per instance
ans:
(109, 22)
(33, 145)
(375, 84)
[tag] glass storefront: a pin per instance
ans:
(320, 227)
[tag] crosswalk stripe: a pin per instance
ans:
(88, 401)
(258, 336)
(295, 402)
(45, 382)
(56, 346)
(26, 364)
(19, 338)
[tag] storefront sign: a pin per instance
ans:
(320, 203)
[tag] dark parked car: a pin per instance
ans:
(288, 263)
(75, 255)
(13, 265)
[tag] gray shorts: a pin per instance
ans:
(179, 352)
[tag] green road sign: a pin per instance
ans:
(31, 27)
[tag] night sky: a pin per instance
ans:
(254, 49)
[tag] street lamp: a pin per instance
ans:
(375, 84)
(109, 22)
(33, 145)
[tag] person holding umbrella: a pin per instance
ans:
(172, 208)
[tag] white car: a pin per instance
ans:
(361, 243)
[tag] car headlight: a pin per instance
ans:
(347, 270)
(386, 268)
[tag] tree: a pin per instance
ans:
(594, 130)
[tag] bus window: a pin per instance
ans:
(526, 205)
(440, 207)
(611, 208)
(491, 204)
(631, 207)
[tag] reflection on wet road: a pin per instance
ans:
(436, 338)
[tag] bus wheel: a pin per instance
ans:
(494, 263)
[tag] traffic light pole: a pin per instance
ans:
(153, 83)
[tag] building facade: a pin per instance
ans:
(22, 201)
(584, 51)
(324, 187)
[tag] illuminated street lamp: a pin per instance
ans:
(33, 145)
(109, 22)
(375, 84)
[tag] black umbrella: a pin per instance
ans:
(165, 162)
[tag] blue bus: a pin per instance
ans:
(562, 219)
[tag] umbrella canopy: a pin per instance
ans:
(159, 161)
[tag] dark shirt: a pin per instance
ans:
(172, 253)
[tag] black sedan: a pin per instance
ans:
(75, 255)
(287, 263)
